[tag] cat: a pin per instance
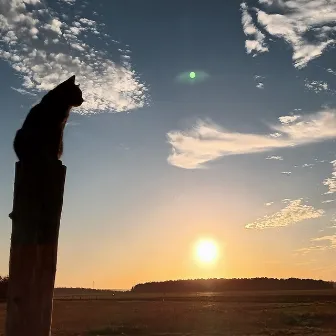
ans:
(41, 136)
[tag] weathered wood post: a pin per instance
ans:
(37, 207)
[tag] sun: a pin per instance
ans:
(206, 251)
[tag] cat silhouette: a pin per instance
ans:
(41, 136)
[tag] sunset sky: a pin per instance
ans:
(242, 154)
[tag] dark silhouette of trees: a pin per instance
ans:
(222, 285)
(80, 290)
(3, 288)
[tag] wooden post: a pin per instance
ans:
(37, 208)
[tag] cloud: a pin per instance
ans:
(306, 250)
(328, 201)
(294, 212)
(317, 86)
(279, 158)
(45, 47)
(259, 80)
(330, 240)
(255, 42)
(269, 203)
(333, 72)
(289, 119)
(23, 91)
(71, 124)
(286, 173)
(307, 26)
(54, 25)
(206, 141)
(308, 165)
(330, 182)
(69, 2)
(286, 200)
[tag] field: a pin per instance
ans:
(244, 313)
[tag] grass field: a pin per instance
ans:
(243, 313)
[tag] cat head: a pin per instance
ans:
(68, 92)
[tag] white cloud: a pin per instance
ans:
(286, 173)
(45, 50)
(330, 182)
(294, 212)
(269, 204)
(71, 123)
(306, 250)
(289, 119)
(255, 42)
(330, 240)
(69, 2)
(23, 91)
(275, 135)
(279, 158)
(308, 165)
(317, 86)
(207, 141)
(286, 200)
(260, 85)
(292, 20)
(54, 25)
(333, 72)
(328, 201)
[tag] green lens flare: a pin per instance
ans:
(192, 77)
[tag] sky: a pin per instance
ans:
(243, 154)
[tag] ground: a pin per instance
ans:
(273, 313)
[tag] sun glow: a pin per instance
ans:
(206, 251)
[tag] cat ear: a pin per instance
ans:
(72, 79)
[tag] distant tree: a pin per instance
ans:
(222, 285)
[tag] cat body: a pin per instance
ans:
(41, 135)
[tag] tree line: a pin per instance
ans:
(81, 290)
(57, 291)
(201, 285)
(222, 285)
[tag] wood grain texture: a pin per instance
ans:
(37, 207)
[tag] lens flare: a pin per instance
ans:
(192, 77)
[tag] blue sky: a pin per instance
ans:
(242, 154)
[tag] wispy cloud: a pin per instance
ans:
(294, 212)
(286, 200)
(329, 240)
(269, 203)
(328, 201)
(207, 141)
(71, 124)
(279, 158)
(45, 47)
(286, 173)
(331, 71)
(23, 91)
(289, 119)
(259, 80)
(292, 21)
(69, 2)
(317, 86)
(255, 38)
(314, 248)
(330, 182)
